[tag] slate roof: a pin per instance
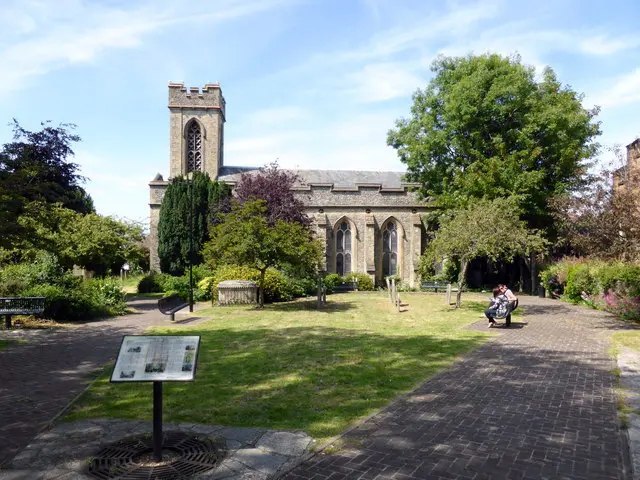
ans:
(337, 178)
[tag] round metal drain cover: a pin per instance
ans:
(184, 456)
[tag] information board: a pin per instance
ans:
(156, 358)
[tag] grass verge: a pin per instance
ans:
(291, 366)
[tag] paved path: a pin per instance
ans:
(39, 379)
(536, 402)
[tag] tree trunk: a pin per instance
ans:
(261, 290)
(462, 280)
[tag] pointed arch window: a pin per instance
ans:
(194, 147)
(343, 249)
(390, 250)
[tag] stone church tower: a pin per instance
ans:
(369, 222)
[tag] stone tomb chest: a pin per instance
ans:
(235, 292)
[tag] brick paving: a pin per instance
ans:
(39, 378)
(536, 402)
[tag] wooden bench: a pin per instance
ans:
(434, 285)
(171, 304)
(346, 287)
(10, 306)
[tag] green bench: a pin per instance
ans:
(10, 306)
(433, 285)
(346, 287)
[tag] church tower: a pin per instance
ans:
(196, 143)
(196, 123)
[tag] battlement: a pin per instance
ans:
(209, 97)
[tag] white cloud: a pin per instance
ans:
(41, 36)
(623, 91)
(383, 81)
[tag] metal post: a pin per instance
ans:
(191, 244)
(157, 421)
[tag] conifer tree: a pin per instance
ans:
(175, 221)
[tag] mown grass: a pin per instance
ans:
(291, 366)
(627, 338)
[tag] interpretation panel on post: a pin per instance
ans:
(156, 358)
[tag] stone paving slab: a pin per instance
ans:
(536, 402)
(65, 450)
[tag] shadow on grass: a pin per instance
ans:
(317, 379)
(312, 304)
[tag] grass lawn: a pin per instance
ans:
(628, 338)
(291, 366)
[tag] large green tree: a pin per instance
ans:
(485, 127)
(245, 236)
(486, 228)
(95, 242)
(197, 196)
(36, 166)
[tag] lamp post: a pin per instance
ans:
(191, 243)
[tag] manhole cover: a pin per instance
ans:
(183, 456)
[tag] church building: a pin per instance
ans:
(369, 222)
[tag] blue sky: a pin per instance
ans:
(312, 83)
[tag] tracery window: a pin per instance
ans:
(390, 250)
(194, 148)
(343, 249)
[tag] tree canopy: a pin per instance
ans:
(486, 228)
(246, 237)
(484, 127)
(274, 187)
(208, 198)
(35, 166)
(97, 243)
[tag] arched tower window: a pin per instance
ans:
(343, 249)
(194, 147)
(390, 250)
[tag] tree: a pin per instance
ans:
(174, 224)
(36, 167)
(485, 128)
(487, 228)
(245, 236)
(274, 186)
(97, 243)
(603, 221)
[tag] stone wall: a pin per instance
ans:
(367, 209)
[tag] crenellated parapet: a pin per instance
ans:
(208, 98)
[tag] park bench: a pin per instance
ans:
(10, 306)
(346, 287)
(171, 304)
(434, 285)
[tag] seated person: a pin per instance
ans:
(513, 302)
(498, 307)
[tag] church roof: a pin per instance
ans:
(336, 178)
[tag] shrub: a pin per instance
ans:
(331, 281)
(364, 281)
(614, 287)
(153, 283)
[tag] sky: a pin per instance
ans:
(313, 84)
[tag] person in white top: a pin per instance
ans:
(513, 302)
